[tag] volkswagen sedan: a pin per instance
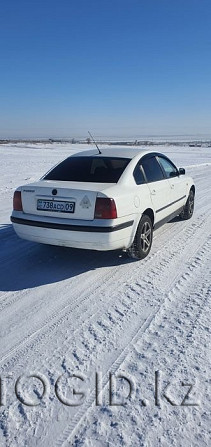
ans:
(106, 200)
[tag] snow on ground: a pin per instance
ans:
(101, 315)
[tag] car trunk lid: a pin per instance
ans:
(68, 200)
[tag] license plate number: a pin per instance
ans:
(55, 205)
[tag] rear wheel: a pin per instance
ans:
(189, 207)
(141, 245)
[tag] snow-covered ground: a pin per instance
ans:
(100, 315)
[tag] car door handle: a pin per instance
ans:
(153, 192)
(172, 186)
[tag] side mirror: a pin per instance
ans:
(181, 171)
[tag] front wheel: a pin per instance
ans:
(141, 245)
(189, 207)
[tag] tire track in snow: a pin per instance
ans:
(188, 280)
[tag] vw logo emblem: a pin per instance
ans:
(54, 192)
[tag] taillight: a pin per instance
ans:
(17, 202)
(105, 208)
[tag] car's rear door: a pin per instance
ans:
(159, 186)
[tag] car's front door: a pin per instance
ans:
(177, 184)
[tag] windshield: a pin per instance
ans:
(89, 169)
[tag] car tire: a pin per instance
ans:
(142, 242)
(189, 207)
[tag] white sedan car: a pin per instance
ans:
(106, 200)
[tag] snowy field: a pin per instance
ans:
(100, 315)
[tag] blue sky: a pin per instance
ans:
(114, 67)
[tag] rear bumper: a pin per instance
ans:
(93, 237)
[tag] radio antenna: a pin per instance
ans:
(95, 143)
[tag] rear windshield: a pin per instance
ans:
(89, 169)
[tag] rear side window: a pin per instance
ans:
(89, 169)
(152, 169)
(138, 175)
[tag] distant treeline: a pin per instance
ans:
(191, 143)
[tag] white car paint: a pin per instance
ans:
(81, 229)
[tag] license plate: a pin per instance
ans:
(55, 205)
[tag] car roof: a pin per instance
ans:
(125, 152)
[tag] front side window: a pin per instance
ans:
(89, 169)
(152, 169)
(169, 168)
